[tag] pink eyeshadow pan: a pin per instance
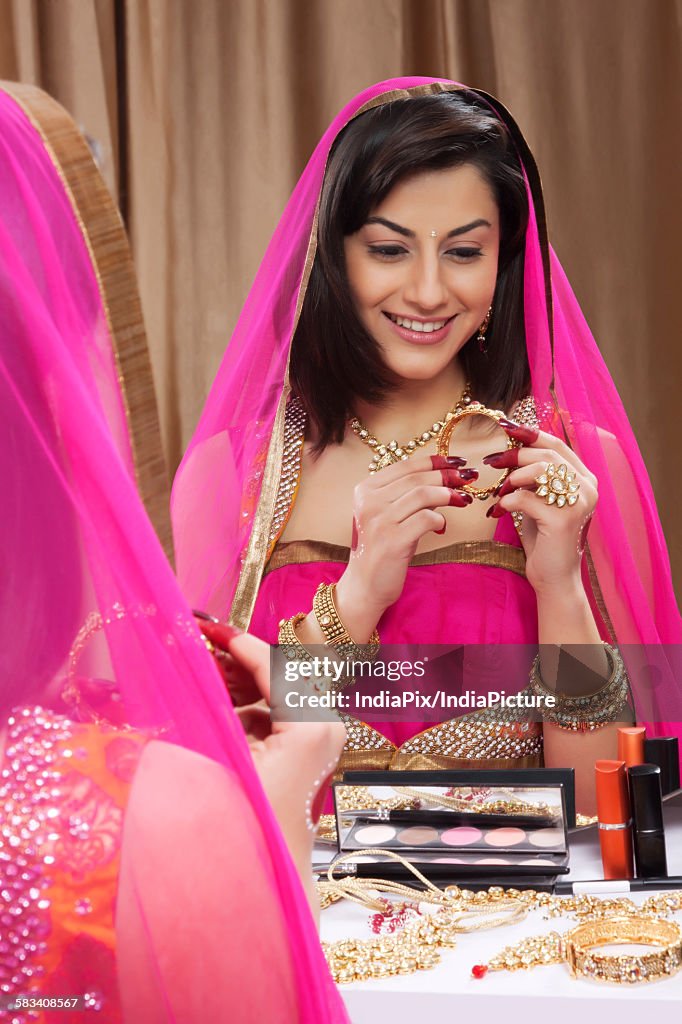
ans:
(505, 837)
(492, 860)
(463, 835)
(418, 835)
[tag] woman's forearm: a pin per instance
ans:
(573, 661)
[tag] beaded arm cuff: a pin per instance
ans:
(588, 711)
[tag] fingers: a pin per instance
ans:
(530, 437)
(427, 498)
(415, 464)
(253, 655)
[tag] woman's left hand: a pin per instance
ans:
(553, 537)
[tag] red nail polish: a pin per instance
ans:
(527, 435)
(447, 461)
(458, 499)
(457, 477)
(442, 530)
(506, 487)
(503, 460)
(354, 536)
(495, 512)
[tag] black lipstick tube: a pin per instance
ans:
(647, 819)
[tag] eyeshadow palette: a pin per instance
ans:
(454, 831)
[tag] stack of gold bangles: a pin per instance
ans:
(335, 634)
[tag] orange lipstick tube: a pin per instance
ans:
(615, 824)
(631, 745)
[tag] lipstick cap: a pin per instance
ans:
(613, 802)
(631, 745)
(664, 751)
(645, 797)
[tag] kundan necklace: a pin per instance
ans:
(387, 454)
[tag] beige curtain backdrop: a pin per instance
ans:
(213, 107)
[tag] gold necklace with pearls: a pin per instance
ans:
(387, 454)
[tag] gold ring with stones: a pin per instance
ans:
(557, 485)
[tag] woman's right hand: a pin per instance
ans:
(392, 510)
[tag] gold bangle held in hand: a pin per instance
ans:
(443, 444)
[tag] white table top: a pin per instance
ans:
(449, 992)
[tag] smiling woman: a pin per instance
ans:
(411, 277)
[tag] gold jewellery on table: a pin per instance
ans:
(578, 947)
(603, 921)
(443, 443)
(387, 454)
(416, 947)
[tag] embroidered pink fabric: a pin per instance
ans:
(207, 901)
(219, 480)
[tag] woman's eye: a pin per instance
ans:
(465, 254)
(387, 252)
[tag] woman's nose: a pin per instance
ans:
(426, 287)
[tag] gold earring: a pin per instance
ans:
(482, 347)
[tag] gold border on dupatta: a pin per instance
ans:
(105, 238)
(255, 556)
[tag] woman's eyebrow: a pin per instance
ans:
(408, 233)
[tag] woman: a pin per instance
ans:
(119, 887)
(409, 275)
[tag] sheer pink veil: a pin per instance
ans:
(93, 623)
(222, 539)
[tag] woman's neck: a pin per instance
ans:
(414, 407)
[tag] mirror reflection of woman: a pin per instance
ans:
(424, 288)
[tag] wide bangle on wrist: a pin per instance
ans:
(586, 712)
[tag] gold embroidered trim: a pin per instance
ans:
(294, 433)
(492, 553)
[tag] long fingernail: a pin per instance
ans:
(442, 530)
(495, 512)
(506, 487)
(527, 435)
(457, 477)
(354, 536)
(230, 630)
(503, 460)
(459, 499)
(447, 461)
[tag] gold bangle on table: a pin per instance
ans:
(335, 633)
(557, 485)
(589, 711)
(577, 949)
(443, 443)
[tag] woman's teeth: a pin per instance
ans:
(417, 325)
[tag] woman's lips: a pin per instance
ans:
(422, 337)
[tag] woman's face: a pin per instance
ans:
(422, 270)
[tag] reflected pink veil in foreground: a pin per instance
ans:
(92, 623)
(225, 492)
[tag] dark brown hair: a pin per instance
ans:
(334, 360)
